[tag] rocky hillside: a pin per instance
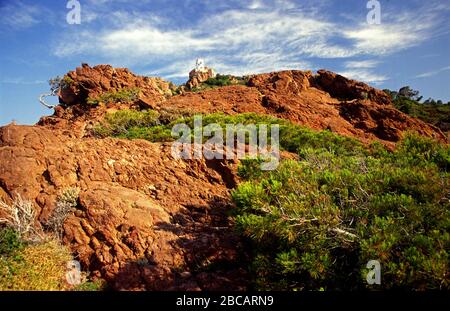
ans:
(321, 101)
(145, 220)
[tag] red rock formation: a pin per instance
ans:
(347, 89)
(75, 114)
(196, 77)
(86, 81)
(141, 213)
(359, 111)
(322, 101)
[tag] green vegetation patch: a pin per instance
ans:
(157, 126)
(315, 223)
(432, 111)
(123, 95)
(219, 81)
(32, 266)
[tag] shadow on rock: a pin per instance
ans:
(214, 256)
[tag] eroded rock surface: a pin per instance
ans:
(90, 82)
(322, 101)
(143, 217)
(198, 76)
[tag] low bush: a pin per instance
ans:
(315, 223)
(31, 260)
(126, 124)
(119, 122)
(65, 205)
(429, 111)
(123, 95)
(92, 286)
(157, 127)
(9, 241)
(219, 80)
(169, 114)
(40, 266)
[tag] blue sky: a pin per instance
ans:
(411, 46)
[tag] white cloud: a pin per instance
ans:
(265, 35)
(433, 73)
(379, 39)
(256, 4)
(361, 64)
(226, 33)
(22, 81)
(363, 75)
(397, 31)
(18, 15)
(88, 16)
(362, 70)
(146, 41)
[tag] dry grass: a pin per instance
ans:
(39, 267)
(30, 260)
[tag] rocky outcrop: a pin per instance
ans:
(198, 76)
(344, 106)
(75, 116)
(321, 101)
(144, 220)
(90, 82)
(347, 89)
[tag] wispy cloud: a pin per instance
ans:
(264, 35)
(235, 41)
(361, 64)
(18, 15)
(363, 70)
(433, 73)
(399, 30)
(21, 81)
(364, 75)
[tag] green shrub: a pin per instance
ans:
(428, 111)
(68, 81)
(219, 80)
(40, 266)
(419, 150)
(157, 127)
(123, 95)
(9, 241)
(65, 205)
(315, 223)
(91, 286)
(120, 122)
(169, 114)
